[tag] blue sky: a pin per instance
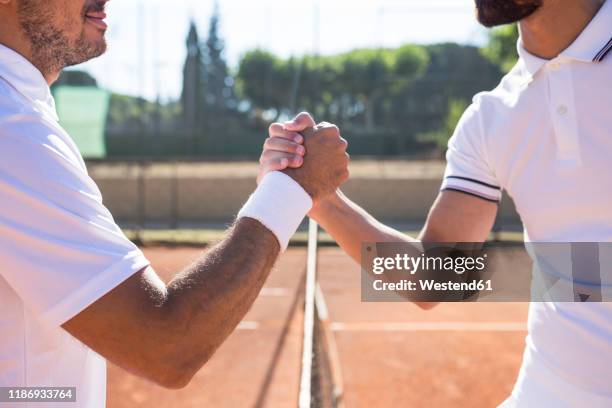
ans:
(152, 63)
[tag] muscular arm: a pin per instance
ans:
(167, 333)
(454, 217)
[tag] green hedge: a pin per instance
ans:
(249, 145)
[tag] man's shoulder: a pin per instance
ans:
(33, 147)
(36, 138)
(17, 112)
(504, 96)
(11, 102)
(496, 108)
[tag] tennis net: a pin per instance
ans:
(320, 382)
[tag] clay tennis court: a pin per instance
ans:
(389, 354)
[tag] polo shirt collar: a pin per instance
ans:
(595, 39)
(27, 80)
(530, 62)
(592, 45)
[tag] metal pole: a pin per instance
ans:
(141, 172)
(316, 21)
(305, 395)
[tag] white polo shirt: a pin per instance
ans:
(60, 249)
(544, 135)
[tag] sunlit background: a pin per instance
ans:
(171, 121)
(180, 77)
(190, 83)
(147, 38)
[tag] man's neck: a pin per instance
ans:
(13, 38)
(556, 25)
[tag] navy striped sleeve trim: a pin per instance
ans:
(603, 52)
(475, 181)
(471, 194)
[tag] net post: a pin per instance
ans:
(305, 396)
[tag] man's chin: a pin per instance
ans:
(98, 50)
(494, 23)
(91, 50)
(493, 13)
(96, 43)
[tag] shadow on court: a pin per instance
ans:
(258, 365)
(390, 354)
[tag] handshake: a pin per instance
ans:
(313, 155)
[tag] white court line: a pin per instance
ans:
(247, 325)
(415, 326)
(275, 292)
(431, 326)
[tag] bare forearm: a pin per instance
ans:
(209, 299)
(351, 226)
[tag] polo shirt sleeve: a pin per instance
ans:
(467, 168)
(60, 249)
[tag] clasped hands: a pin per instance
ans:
(313, 155)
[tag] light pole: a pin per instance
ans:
(141, 125)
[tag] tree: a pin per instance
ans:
(265, 81)
(219, 93)
(501, 49)
(368, 74)
(410, 62)
(394, 94)
(75, 78)
(371, 74)
(316, 85)
(454, 72)
(193, 81)
(440, 137)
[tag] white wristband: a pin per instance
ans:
(280, 204)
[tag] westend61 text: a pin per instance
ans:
(432, 285)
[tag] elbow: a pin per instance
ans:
(172, 377)
(175, 354)
(178, 372)
(426, 305)
(173, 380)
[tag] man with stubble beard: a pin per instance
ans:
(545, 136)
(74, 291)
